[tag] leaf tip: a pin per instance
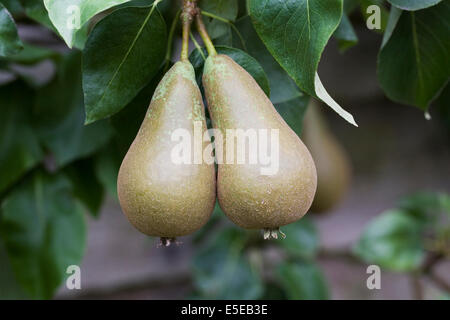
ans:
(352, 121)
(88, 120)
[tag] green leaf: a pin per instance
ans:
(107, 164)
(427, 207)
(273, 291)
(293, 112)
(413, 64)
(10, 289)
(345, 34)
(393, 241)
(302, 281)
(10, 43)
(441, 106)
(302, 239)
(413, 4)
(13, 6)
(226, 39)
(244, 60)
(282, 87)
(126, 122)
(44, 232)
(123, 53)
(221, 271)
(19, 146)
(296, 32)
(32, 54)
(227, 9)
(391, 24)
(60, 116)
(69, 16)
(85, 184)
(350, 5)
(35, 9)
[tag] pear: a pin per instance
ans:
(159, 195)
(250, 198)
(333, 165)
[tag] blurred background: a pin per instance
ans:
(399, 161)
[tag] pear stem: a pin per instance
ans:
(205, 37)
(185, 44)
(187, 16)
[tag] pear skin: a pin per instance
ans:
(332, 162)
(250, 199)
(159, 196)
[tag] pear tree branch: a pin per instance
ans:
(190, 10)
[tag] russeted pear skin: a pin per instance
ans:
(159, 196)
(332, 163)
(249, 199)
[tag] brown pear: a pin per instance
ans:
(332, 163)
(250, 198)
(160, 195)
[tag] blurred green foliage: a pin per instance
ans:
(232, 263)
(399, 239)
(43, 231)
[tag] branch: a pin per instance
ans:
(430, 261)
(439, 281)
(427, 269)
(187, 16)
(417, 287)
(182, 278)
